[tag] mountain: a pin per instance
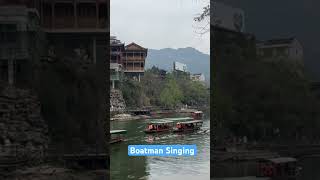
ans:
(286, 18)
(196, 61)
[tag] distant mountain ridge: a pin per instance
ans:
(196, 61)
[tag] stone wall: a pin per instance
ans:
(117, 102)
(21, 123)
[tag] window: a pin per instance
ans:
(87, 10)
(142, 65)
(62, 10)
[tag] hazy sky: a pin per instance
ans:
(157, 24)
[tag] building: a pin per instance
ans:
(116, 60)
(286, 48)
(197, 77)
(134, 60)
(19, 26)
(82, 22)
(227, 17)
(128, 60)
(71, 29)
(177, 66)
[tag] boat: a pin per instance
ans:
(181, 119)
(282, 168)
(197, 114)
(188, 126)
(159, 126)
(117, 136)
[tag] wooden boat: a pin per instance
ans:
(180, 119)
(117, 136)
(197, 114)
(159, 126)
(282, 168)
(188, 126)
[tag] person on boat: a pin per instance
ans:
(192, 126)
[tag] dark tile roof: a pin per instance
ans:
(277, 41)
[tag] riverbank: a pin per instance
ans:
(149, 113)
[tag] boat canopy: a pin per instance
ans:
(179, 119)
(191, 122)
(118, 131)
(161, 122)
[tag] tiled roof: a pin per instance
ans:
(277, 41)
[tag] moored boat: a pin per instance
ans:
(180, 119)
(197, 114)
(282, 168)
(188, 126)
(159, 126)
(117, 136)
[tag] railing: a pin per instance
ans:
(133, 58)
(134, 69)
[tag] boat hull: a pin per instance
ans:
(185, 130)
(156, 131)
(116, 141)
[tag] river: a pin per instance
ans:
(158, 168)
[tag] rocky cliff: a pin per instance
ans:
(117, 102)
(21, 123)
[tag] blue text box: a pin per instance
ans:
(162, 150)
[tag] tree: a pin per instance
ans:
(171, 95)
(204, 17)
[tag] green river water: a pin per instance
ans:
(158, 168)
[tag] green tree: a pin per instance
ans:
(171, 95)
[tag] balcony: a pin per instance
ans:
(135, 69)
(64, 22)
(87, 22)
(134, 58)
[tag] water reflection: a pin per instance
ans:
(156, 168)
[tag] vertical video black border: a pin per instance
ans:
(106, 65)
(212, 85)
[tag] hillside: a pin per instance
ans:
(196, 61)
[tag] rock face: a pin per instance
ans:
(21, 123)
(117, 102)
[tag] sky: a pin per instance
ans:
(157, 24)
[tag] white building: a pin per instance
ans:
(289, 48)
(197, 77)
(179, 67)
